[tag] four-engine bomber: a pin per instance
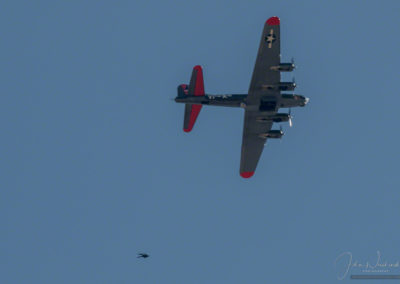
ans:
(261, 103)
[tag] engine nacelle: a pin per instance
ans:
(293, 100)
(272, 134)
(282, 86)
(279, 117)
(284, 67)
(287, 86)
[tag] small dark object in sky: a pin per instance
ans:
(142, 255)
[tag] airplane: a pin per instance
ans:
(261, 104)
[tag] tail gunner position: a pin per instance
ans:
(261, 104)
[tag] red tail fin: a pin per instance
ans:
(196, 88)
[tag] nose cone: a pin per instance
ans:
(306, 100)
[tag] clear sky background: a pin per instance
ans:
(95, 167)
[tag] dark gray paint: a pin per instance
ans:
(253, 142)
(262, 102)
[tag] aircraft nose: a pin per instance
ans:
(306, 100)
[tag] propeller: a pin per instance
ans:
(292, 61)
(294, 82)
(290, 117)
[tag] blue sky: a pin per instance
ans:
(95, 166)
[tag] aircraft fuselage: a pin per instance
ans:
(240, 100)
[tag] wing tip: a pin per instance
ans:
(246, 174)
(198, 68)
(273, 21)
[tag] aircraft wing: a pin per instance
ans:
(252, 143)
(263, 76)
(268, 56)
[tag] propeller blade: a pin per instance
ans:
(294, 84)
(290, 122)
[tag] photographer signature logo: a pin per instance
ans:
(345, 264)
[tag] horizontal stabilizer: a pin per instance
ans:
(191, 114)
(196, 88)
